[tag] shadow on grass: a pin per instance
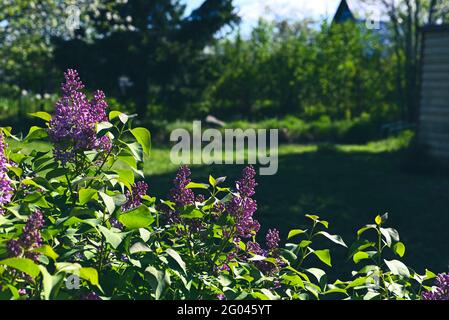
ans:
(348, 189)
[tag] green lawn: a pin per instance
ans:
(347, 185)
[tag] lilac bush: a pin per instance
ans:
(77, 210)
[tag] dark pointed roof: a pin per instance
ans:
(343, 13)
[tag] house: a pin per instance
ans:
(433, 124)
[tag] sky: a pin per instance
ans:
(251, 10)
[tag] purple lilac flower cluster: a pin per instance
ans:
(179, 194)
(29, 239)
(242, 206)
(5, 183)
(441, 291)
(134, 198)
(72, 128)
(272, 240)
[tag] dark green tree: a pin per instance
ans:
(153, 45)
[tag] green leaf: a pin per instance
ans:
(113, 238)
(365, 228)
(56, 173)
(430, 275)
(89, 274)
(136, 150)
(399, 249)
(85, 195)
(139, 247)
(323, 255)
(312, 217)
(212, 181)
(122, 117)
(126, 175)
(22, 264)
(42, 115)
(317, 220)
(143, 137)
(398, 268)
(294, 280)
(192, 213)
(108, 202)
(49, 282)
(195, 185)
(17, 171)
(317, 273)
(389, 235)
(29, 182)
(361, 255)
(305, 243)
(361, 281)
(144, 234)
(157, 281)
(140, 217)
(270, 295)
(175, 255)
(47, 251)
(334, 238)
(295, 232)
(370, 295)
(36, 133)
(103, 128)
(37, 199)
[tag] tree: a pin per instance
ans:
(151, 43)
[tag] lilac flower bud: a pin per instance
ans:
(225, 267)
(221, 296)
(255, 248)
(179, 194)
(5, 183)
(272, 238)
(242, 206)
(14, 248)
(200, 198)
(245, 186)
(115, 223)
(134, 198)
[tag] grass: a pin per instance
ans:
(348, 185)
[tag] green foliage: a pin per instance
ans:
(150, 258)
(340, 71)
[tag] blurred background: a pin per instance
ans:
(340, 79)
